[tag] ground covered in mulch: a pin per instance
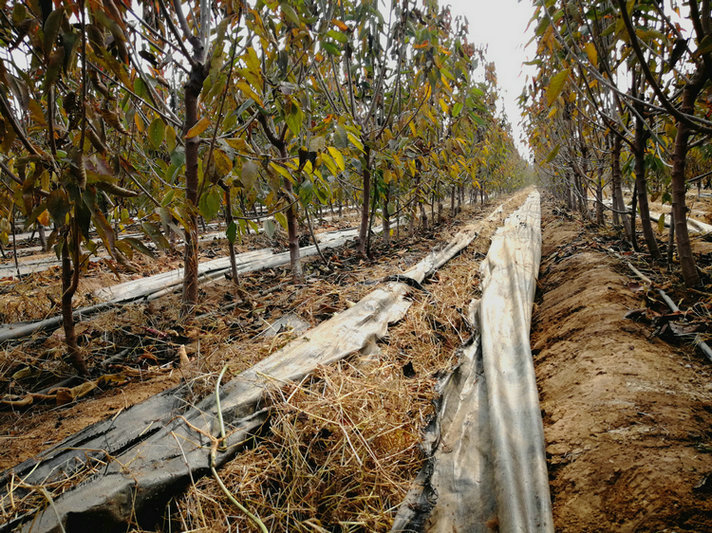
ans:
(626, 404)
(134, 350)
(627, 416)
(38, 295)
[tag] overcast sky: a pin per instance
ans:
(500, 25)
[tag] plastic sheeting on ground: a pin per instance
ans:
(487, 464)
(693, 226)
(153, 449)
(152, 286)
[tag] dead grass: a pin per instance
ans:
(343, 446)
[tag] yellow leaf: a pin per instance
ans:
(339, 24)
(251, 60)
(139, 123)
(281, 171)
(198, 128)
(223, 164)
(249, 92)
(338, 158)
(327, 160)
(592, 54)
(355, 141)
(43, 218)
(36, 112)
(237, 143)
(556, 85)
(443, 106)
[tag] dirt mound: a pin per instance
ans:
(628, 419)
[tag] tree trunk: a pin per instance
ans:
(190, 267)
(641, 186)
(398, 217)
(569, 199)
(618, 204)
(600, 220)
(671, 241)
(452, 201)
(387, 217)
(70, 279)
(292, 230)
(365, 204)
(43, 237)
(679, 209)
(231, 243)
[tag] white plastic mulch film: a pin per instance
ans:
(487, 465)
(161, 445)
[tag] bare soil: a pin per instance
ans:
(627, 417)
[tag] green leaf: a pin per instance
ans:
(231, 232)
(294, 119)
(58, 206)
(82, 214)
(19, 14)
(168, 197)
(178, 157)
(330, 48)
(249, 174)
(705, 46)
(170, 135)
(337, 36)
(289, 14)
(140, 88)
(340, 138)
(156, 133)
(279, 217)
(270, 227)
(51, 28)
(556, 85)
(317, 144)
(306, 191)
(139, 246)
(155, 234)
(209, 204)
(456, 109)
(661, 223)
(552, 154)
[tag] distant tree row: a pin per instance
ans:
(622, 94)
(159, 112)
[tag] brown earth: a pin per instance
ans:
(627, 417)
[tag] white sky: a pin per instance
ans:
(501, 25)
